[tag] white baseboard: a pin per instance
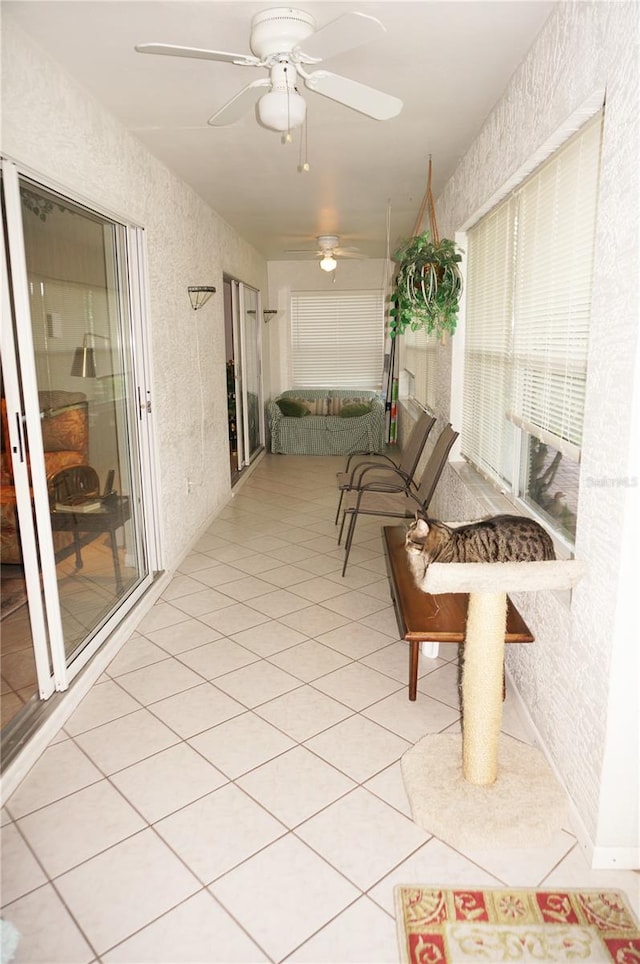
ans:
(616, 858)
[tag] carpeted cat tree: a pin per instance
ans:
(464, 798)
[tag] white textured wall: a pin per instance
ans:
(564, 677)
(52, 126)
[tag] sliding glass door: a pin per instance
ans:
(74, 424)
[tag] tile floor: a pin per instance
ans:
(230, 789)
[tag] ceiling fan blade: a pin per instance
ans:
(360, 97)
(345, 33)
(239, 104)
(171, 50)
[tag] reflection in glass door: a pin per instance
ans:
(243, 337)
(77, 407)
(250, 332)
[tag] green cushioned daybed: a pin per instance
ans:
(316, 421)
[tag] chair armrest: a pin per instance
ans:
(359, 455)
(357, 476)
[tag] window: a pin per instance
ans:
(337, 339)
(529, 279)
(420, 364)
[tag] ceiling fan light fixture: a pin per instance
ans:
(282, 110)
(328, 263)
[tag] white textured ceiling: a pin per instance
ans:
(449, 62)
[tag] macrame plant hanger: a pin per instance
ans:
(427, 203)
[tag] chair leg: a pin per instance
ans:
(349, 539)
(344, 516)
(339, 505)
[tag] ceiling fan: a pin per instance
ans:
(285, 42)
(328, 250)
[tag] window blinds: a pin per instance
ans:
(552, 288)
(530, 266)
(337, 339)
(485, 434)
(420, 360)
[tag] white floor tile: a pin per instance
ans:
(269, 638)
(358, 747)
(411, 719)
(196, 710)
(48, 934)
(197, 930)
(21, 872)
(110, 895)
(101, 705)
(69, 831)
(167, 781)
(363, 932)
(217, 658)
(241, 744)
(205, 833)
(355, 640)
(62, 769)
(198, 603)
(234, 619)
(160, 680)
(279, 602)
(303, 712)
(283, 895)
(362, 836)
(357, 685)
(257, 683)
(295, 785)
(116, 745)
(187, 635)
(135, 654)
(309, 660)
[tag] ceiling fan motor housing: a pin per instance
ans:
(328, 243)
(279, 30)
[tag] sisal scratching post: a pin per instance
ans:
(482, 686)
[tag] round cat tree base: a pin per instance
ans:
(524, 808)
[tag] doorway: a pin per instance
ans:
(76, 545)
(245, 397)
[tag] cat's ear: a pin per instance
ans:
(421, 527)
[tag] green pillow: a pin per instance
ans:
(355, 410)
(291, 409)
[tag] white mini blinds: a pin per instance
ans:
(337, 339)
(529, 281)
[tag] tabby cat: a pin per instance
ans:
(501, 538)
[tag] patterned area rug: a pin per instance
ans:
(438, 926)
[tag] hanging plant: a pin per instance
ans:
(428, 284)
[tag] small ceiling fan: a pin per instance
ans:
(328, 251)
(285, 42)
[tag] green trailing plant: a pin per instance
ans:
(427, 286)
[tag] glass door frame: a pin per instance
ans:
(241, 295)
(53, 671)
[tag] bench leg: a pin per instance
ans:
(414, 656)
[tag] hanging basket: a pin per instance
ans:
(428, 283)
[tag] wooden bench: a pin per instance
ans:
(425, 618)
